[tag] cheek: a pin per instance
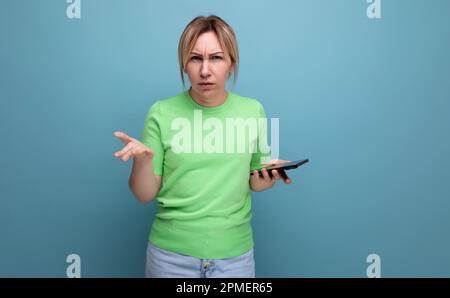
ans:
(222, 71)
(191, 71)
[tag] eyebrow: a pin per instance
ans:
(195, 53)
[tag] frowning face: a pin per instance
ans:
(208, 67)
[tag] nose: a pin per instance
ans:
(204, 71)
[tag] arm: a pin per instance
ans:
(143, 182)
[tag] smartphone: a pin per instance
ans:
(285, 166)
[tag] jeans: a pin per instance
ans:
(163, 263)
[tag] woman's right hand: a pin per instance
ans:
(133, 148)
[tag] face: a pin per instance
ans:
(208, 67)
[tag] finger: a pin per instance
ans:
(124, 149)
(125, 155)
(261, 174)
(271, 162)
(276, 174)
(123, 137)
(280, 162)
(285, 177)
(266, 174)
(128, 154)
(275, 162)
(284, 161)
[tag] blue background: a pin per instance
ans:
(366, 100)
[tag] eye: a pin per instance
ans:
(216, 57)
(196, 58)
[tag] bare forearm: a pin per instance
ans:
(143, 182)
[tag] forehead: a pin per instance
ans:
(207, 43)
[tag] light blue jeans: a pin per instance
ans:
(163, 263)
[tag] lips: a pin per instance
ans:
(206, 84)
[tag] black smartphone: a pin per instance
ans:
(285, 166)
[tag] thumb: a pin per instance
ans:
(276, 161)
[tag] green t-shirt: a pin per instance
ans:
(204, 205)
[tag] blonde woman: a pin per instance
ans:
(202, 226)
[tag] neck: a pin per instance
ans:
(209, 101)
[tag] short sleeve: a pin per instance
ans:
(262, 154)
(151, 137)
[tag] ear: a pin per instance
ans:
(232, 70)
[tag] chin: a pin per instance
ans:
(209, 91)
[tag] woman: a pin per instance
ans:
(202, 226)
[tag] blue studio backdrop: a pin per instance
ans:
(363, 92)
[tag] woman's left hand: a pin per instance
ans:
(258, 183)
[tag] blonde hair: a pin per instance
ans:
(224, 33)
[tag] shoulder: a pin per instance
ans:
(172, 100)
(164, 104)
(248, 101)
